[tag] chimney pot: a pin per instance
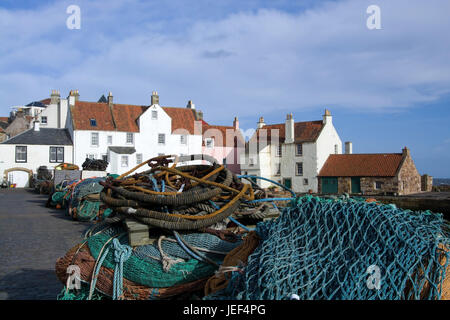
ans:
(190, 105)
(154, 98)
(110, 99)
(236, 123)
(348, 147)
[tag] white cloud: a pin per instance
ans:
(246, 63)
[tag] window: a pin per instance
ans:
(154, 114)
(299, 149)
(90, 156)
(138, 158)
(183, 139)
(251, 163)
(110, 140)
(104, 157)
(299, 169)
(279, 150)
(378, 185)
(161, 138)
(124, 161)
(278, 172)
(224, 161)
(44, 120)
(336, 149)
(209, 143)
(305, 182)
(57, 154)
(93, 122)
(94, 139)
(130, 137)
(21, 154)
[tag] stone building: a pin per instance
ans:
(370, 174)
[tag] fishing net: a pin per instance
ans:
(156, 270)
(335, 249)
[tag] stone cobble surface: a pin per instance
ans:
(32, 237)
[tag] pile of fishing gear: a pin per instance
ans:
(189, 212)
(95, 165)
(80, 198)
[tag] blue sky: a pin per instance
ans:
(386, 88)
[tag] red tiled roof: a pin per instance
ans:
(182, 118)
(223, 130)
(4, 119)
(125, 116)
(83, 111)
(307, 131)
(361, 165)
(45, 101)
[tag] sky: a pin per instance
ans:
(386, 88)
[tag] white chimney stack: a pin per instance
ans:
(289, 129)
(327, 118)
(348, 147)
(190, 105)
(260, 123)
(36, 126)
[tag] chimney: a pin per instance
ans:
(190, 105)
(36, 126)
(236, 124)
(110, 99)
(327, 118)
(200, 115)
(260, 123)
(289, 129)
(155, 98)
(406, 152)
(55, 97)
(348, 147)
(73, 97)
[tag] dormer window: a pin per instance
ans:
(154, 115)
(93, 122)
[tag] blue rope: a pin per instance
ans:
(274, 182)
(121, 254)
(240, 224)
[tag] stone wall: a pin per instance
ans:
(427, 183)
(344, 185)
(389, 185)
(409, 179)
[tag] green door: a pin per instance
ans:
(288, 183)
(356, 184)
(329, 185)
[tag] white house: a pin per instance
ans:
(22, 155)
(126, 135)
(291, 153)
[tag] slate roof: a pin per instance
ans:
(122, 150)
(361, 165)
(45, 136)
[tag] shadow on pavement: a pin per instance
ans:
(29, 284)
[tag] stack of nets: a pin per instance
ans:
(110, 268)
(345, 249)
(187, 209)
(81, 199)
(94, 165)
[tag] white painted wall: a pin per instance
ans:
(53, 112)
(313, 158)
(37, 155)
